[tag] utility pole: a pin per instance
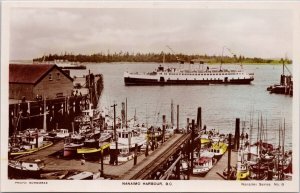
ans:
(115, 132)
(126, 123)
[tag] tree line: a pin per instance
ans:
(154, 57)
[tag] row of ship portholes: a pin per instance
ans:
(209, 79)
(202, 74)
(206, 79)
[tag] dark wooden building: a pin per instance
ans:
(38, 80)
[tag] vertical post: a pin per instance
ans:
(177, 117)
(147, 145)
(37, 138)
(28, 107)
(172, 114)
(66, 106)
(123, 114)
(90, 90)
(129, 140)
(188, 158)
(187, 124)
(45, 116)
(135, 154)
(152, 139)
(115, 130)
(282, 66)
(237, 134)
(283, 137)
(115, 134)
(163, 128)
(229, 157)
(199, 119)
(73, 127)
(192, 145)
(278, 160)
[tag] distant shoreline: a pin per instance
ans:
(52, 62)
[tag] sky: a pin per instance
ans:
(35, 32)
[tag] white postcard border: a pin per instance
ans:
(178, 186)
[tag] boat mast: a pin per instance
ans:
(172, 113)
(250, 135)
(222, 58)
(278, 154)
(266, 131)
(45, 117)
(134, 118)
(126, 113)
(283, 136)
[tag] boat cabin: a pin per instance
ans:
(28, 165)
(32, 139)
(160, 68)
(62, 133)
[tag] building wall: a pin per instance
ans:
(17, 91)
(57, 85)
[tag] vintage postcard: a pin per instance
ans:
(164, 96)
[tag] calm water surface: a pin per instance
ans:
(221, 104)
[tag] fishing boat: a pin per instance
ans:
(72, 143)
(25, 168)
(258, 168)
(286, 83)
(27, 142)
(57, 134)
(242, 172)
(218, 149)
(203, 162)
(126, 143)
(95, 144)
(267, 157)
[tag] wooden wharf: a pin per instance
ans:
(151, 163)
(145, 166)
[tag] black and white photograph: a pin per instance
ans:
(167, 96)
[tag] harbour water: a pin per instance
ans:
(221, 104)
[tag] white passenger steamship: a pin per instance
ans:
(173, 76)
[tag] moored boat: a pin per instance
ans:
(27, 142)
(25, 168)
(203, 163)
(72, 144)
(218, 149)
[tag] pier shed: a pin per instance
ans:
(38, 80)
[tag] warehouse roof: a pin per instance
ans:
(31, 73)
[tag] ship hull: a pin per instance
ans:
(129, 81)
(14, 173)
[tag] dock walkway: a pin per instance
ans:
(218, 168)
(142, 169)
(53, 163)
